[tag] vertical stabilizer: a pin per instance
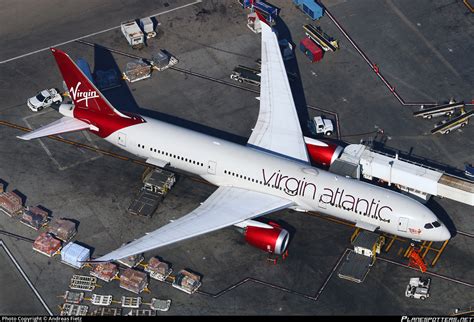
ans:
(82, 91)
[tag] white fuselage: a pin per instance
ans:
(224, 163)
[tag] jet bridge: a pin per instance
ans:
(417, 179)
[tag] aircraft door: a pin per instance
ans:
(402, 224)
(211, 167)
(122, 139)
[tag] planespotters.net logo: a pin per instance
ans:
(80, 96)
(437, 319)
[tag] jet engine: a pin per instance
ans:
(322, 153)
(268, 237)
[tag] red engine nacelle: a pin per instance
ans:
(322, 153)
(273, 240)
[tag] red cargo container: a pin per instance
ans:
(311, 50)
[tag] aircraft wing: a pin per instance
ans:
(278, 128)
(225, 207)
(63, 125)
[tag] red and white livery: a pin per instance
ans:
(270, 173)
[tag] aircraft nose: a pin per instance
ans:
(444, 234)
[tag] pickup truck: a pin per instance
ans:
(44, 99)
(418, 288)
(323, 126)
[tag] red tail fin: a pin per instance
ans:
(82, 91)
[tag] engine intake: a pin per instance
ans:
(322, 153)
(273, 240)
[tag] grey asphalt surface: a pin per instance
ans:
(422, 47)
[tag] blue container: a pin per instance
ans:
(268, 11)
(75, 255)
(310, 7)
(245, 3)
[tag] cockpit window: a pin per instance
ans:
(436, 224)
(428, 226)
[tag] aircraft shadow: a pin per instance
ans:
(293, 71)
(442, 215)
(380, 146)
(123, 98)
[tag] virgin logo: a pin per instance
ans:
(79, 96)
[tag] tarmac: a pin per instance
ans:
(423, 48)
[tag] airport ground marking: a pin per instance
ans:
(25, 277)
(48, 151)
(93, 34)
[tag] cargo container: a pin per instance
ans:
(133, 34)
(47, 245)
(311, 50)
(131, 261)
(147, 26)
(137, 70)
(162, 60)
(63, 229)
(266, 10)
(74, 255)
(11, 204)
(158, 269)
(104, 271)
(310, 7)
(187, 282)
(34, 217)
(133, 280)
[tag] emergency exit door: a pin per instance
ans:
(122, 139)
(211, 167)
(402, 224)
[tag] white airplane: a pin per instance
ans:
(272, 172)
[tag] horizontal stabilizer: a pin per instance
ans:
(63, 125)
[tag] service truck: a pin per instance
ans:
(323, 126)
(133, 34)
(43, 99)
(418, 288)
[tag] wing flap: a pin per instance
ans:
(63, 125)
(225, 207)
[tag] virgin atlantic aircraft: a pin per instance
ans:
(270, 173)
